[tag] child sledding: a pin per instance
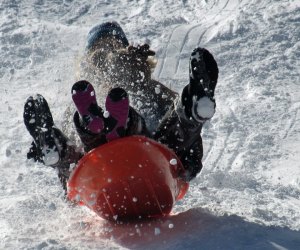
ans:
(135, 105)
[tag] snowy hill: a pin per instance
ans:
(248, 194)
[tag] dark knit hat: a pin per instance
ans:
(108, 29)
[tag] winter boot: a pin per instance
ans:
(117, 107)
(95, 126)
(198, 96)
(39, 122)
(181, 127)
(84, 97)
(50, 145)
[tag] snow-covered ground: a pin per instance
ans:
(248, 194)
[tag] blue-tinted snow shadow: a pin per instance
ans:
(197, 229)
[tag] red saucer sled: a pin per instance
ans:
(129, 178)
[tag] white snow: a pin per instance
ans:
(156, 231)
(248, 193)
(173, 161)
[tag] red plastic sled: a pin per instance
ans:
(128, 178)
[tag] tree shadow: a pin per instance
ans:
(197, 229)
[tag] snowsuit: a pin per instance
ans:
(156, 111)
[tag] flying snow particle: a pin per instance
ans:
(138, 231)
(72, 166)
(91, 202)
(156, 231)
(134, 199)
(142, 75)
(173, 161)
(77, 197)
(106, 114)
(32, 121)
(139, 104)
(157, 90)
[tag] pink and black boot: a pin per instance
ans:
(117, 108)
(94, 125)
(84, 97)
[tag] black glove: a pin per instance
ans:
(142, 51)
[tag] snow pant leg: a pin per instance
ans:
(69, 155)
(184, 137)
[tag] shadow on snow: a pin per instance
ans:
(197, 229)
